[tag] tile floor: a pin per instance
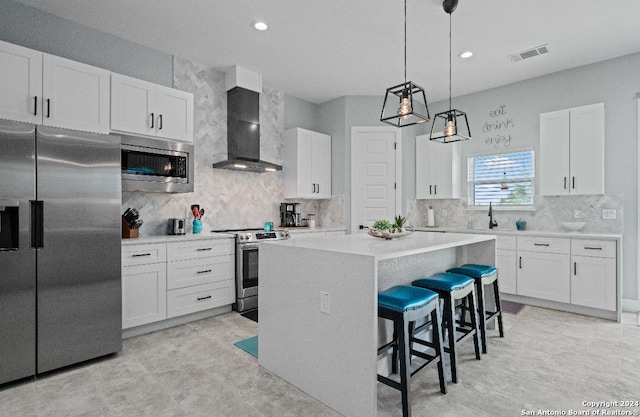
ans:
(549, 360)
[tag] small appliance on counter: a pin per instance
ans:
(175, 227)
(290, 215)
(131, 223)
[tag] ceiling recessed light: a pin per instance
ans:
(466, 54)
(260, 26)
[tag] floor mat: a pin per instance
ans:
(511, 307)
(249, 345)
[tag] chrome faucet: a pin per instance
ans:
(492, 223)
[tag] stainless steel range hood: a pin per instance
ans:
(243, 123)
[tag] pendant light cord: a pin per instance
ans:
(449, 60)
(405, 42)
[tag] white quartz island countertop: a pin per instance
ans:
(318, 302)
(380, 249)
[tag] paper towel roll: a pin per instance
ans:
(431, 220)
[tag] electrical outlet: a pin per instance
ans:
(443, 212)
(325, 302)
(609, 214)
(577, 214)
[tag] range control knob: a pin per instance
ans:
(241, 237)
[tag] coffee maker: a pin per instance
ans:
(290, 215)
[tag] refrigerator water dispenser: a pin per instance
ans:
(8, 226)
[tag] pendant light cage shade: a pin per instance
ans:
(405, 105)
(450, 126)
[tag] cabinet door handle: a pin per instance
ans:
(204, 298)
(318, 188)
(48, 107)
(592, 248)
(35, 106)
(153, 116)
(575, 268)
(160, 126)
(520, 262)
(140, 254)
(540, 244)
(430, 189)
(435, 189)
(206, 271)
(565, 183)
(203, 249)
(573, 182)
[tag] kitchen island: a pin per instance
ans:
(318, 306)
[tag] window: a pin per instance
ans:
(501, 179)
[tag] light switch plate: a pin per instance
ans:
(443, 212)
(609, 214)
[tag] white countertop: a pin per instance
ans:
(363, 244)
(579, 235)
(176, 238)
(294, 230)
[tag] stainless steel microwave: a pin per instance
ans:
(155, 165)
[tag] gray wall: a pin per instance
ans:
(300, 113)
(35, 29)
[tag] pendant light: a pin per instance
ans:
(412, 107)
(451, 125)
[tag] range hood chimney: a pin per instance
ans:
(243, 122)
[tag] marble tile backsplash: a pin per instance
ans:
(231, 199)
(549, 213)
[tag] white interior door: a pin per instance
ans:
(375, 175)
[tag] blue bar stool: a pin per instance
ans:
(404, 305)
(452, 287)
(484, 275)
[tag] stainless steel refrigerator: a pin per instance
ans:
(60, 227)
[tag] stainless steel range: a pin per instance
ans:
(247, 244)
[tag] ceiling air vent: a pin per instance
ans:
(529, 53)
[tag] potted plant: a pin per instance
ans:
(521, 224)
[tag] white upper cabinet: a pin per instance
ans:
(307, 164)
(45, 89)
(20, 83)
(437, 169)
(572, 151)
(145, 108)
(75, 95)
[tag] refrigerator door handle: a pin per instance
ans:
(37, 224)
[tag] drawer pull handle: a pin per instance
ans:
(203, 249)
(520, 263)
(575, 268)
(140, 254)
(592, 248)
(204, 298)
(204, 272)
(540, 244)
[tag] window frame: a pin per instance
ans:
(496, 205)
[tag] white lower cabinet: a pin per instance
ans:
(593, 274)
(581, 272)
(144, 294)
(167, 280)
(199, 297)
(544, 275)
(144, 284)
(506, 263)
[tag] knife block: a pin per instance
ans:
(127, 231)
